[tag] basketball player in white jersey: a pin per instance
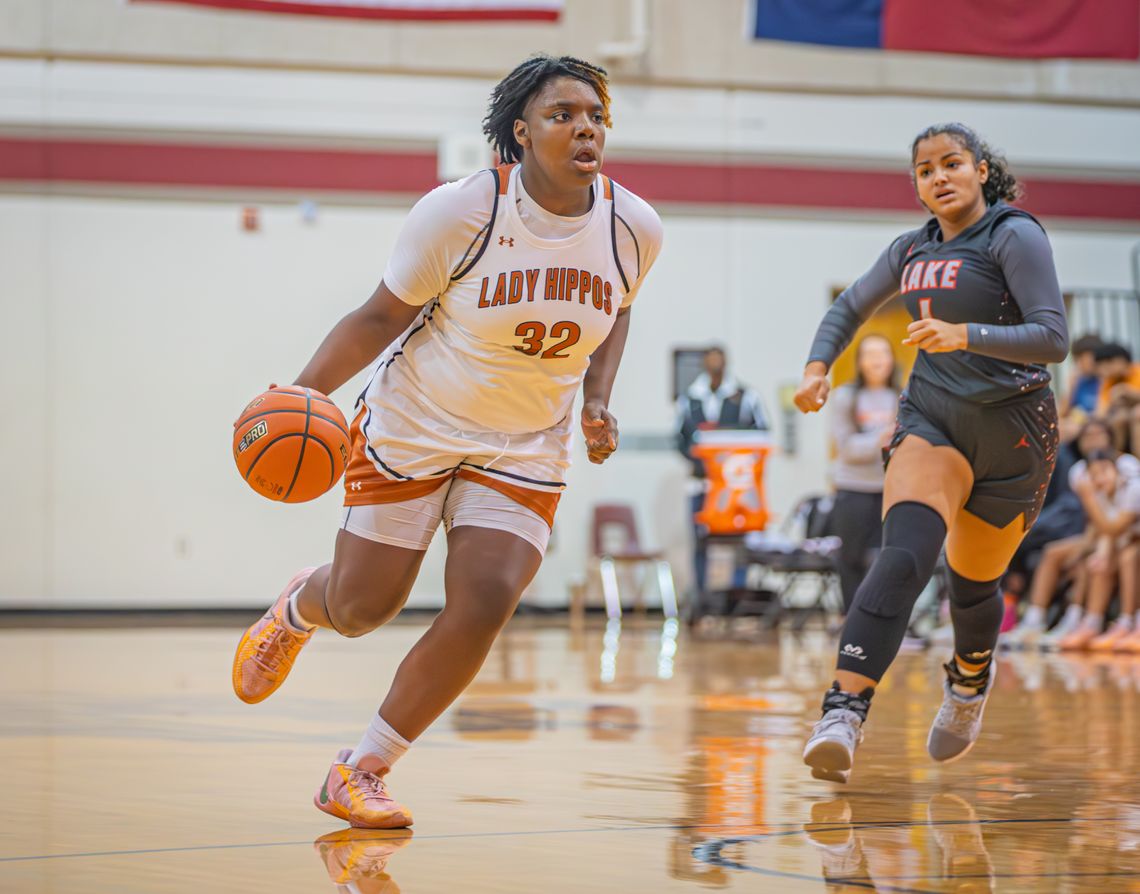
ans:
(505, 292)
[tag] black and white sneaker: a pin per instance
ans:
(959, 720)
(830, 750)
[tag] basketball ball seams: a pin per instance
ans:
(272, 441)
(332, 461)
(304, 443)
(309, 393)
(245, 420)
(290, 472)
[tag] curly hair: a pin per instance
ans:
(1001, 184)
(511, 95)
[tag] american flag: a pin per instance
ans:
(397, 10)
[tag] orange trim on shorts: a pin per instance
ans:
(503, 172)
(541, 502)
(365, 486)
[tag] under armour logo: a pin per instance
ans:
(854, 652)
(508, 241)
(1024, 442)
(356, 485)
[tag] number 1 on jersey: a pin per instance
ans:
(924, 312)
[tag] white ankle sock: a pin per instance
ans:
(1034, 618)
(295, 618)
(1093, 622)
(381, 741)
(1072, 616)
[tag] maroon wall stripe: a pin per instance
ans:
(754, 184)
(380, 171)
(189, 164)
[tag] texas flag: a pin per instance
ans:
(1031, 29)
(397, 10)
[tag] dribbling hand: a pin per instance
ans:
(600, 429)
(812, 393)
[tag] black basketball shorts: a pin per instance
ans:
(1010, 445)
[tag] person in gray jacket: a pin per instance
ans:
(862, 424)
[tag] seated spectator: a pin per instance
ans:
(862, 422)
(1079, 400)
(1096, 436)
(1061, 539)
(1119, 393)
(1049, 550)
(1113, 506)
(1060, 560)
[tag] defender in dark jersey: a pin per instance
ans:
(976, 439)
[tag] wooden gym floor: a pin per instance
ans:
(593, 761)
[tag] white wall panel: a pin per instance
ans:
(323, 106)
(138, 329)
(29, 441)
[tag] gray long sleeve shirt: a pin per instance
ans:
(859, 418)
(997, 276)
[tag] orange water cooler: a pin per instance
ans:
(734, 463)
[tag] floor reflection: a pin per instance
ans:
(357, 859)
(612, 758)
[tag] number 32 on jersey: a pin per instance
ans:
(563, 335)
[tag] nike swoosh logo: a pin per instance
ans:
(325, 792)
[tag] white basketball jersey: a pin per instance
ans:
(506, 344)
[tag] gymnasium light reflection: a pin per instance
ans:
(611, 644)
(669, 631)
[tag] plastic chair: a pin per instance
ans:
(812, 513)
(616, 548)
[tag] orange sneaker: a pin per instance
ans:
(359, 797)
(357, 859)
(1130, 643)
(1107, 641)
(1078, 640)
(266, 652)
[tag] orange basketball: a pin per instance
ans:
(291, 444)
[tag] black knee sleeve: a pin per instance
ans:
(912, 539)
(975, 610)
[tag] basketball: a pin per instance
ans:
(291, 444)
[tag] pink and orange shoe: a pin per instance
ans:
(359, 858)
(1078, 640)
(359, 797)
(266, 652)
(1108, 640)
(1130, 643)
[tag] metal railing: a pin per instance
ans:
(1113, 314)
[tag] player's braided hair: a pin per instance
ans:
(512, 93)
(1001, 184)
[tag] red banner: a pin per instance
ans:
(1033, 29)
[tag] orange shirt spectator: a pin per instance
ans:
(1119, 377)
